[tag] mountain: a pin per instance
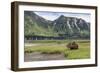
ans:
(71, 26)
(36, 25)
(63, 26)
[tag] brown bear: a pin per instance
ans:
(72, 45)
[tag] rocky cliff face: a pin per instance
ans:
(62, 26)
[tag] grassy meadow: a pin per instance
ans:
(58, 47)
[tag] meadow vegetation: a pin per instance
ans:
(59, 46)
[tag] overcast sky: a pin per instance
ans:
(54, 15)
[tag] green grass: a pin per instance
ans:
(57, 41)
(59, 46)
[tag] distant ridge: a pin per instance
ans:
(35, 25)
